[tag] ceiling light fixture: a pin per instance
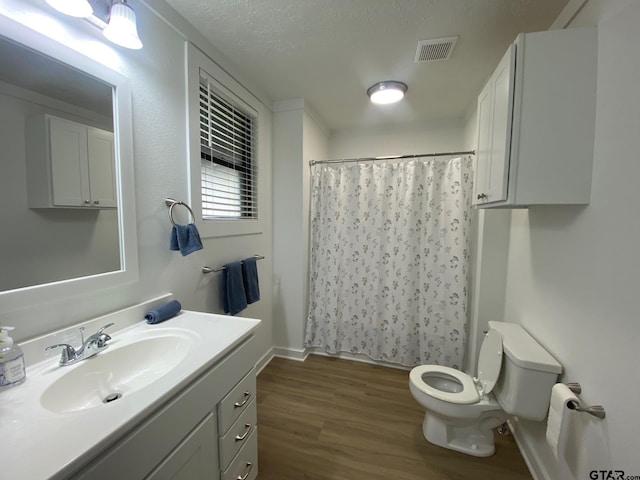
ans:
(73, 8)
(387, 92)
(122, 29)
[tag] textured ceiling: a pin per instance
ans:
(329, 52)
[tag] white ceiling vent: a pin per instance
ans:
(435, 50)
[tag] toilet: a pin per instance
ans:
(515, 376)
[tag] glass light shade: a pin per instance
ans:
(387, 92)
(122, 28)
(73, 8)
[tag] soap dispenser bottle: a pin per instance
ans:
(12, 371)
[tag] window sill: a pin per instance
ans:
(227, 228)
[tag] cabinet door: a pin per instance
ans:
(495, 120)
(504, 78)
(194, 458)
(483, 149)
(101, 168)
(69, 168)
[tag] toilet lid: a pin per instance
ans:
(490, 360)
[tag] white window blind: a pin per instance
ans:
(227, 153)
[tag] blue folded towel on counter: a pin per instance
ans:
(163, 312)
(233, 295)
(250, 279)
(185, 238)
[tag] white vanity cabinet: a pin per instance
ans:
(208, 431)
(69, 165)
(536, 122)
(237, 430)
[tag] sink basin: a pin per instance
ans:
(114, 373)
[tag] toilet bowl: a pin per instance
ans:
(462, 411)
(457, 417)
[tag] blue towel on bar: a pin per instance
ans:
(250, 277)
(185, 238)
(233, 295)
(163, 312)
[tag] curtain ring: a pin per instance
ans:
(183, 204)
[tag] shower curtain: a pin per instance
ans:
(389, 259)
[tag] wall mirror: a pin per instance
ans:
(65, 131)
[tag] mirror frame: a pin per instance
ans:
(122, 119)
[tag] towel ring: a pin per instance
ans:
(170, 202)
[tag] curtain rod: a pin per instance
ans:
(393, 157)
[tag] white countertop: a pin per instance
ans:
(40, 444)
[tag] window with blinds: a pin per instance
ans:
(227, 157)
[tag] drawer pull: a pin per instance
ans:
(247, 396)
(244, 434)
(246, 472)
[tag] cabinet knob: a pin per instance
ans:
(96, 202)
(87, 202)
(481, 196)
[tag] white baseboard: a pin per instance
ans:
(301, 356)
(290, 353)
(264, 360)
(356, 358)
(532, 459)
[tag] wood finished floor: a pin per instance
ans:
(332, 419)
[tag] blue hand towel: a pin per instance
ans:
(185, 238)
(233, 295)
(250, 277)
(163, 312)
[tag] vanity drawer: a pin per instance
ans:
(245, 465)
(236, 401)
(235, 438)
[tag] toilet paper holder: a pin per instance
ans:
(595, 410)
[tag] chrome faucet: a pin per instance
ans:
(90, 347)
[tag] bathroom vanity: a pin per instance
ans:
(186, 407)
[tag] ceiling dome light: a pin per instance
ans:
(122, 28)
(387, 92)
(74, 8)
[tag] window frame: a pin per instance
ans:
(231, 89)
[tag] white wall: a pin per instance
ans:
(401, 139)
(287, 224)
(489, 244)
(298, 137)
(160, 156)
(573, 272)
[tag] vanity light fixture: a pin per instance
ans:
(116, 19)
(73, 8)
(386, 92)
(122, 29)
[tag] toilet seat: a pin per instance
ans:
(469, 393)
(489, 364)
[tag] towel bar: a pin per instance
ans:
(219, 269)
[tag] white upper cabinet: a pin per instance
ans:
(536, 121)
(69, 165)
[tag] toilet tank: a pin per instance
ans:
(527, 374)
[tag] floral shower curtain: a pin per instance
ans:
(389, 260)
